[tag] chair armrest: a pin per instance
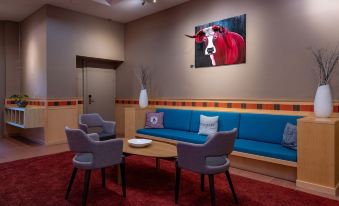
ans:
(109, 127)
(106, 153)
(191, 156)
(83, 127)
(94, 136)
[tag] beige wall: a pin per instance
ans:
(69, 34)
(278, 66)
(10, 69)
(34, 54)
(2, 76)
(12, 55)
(51, 39)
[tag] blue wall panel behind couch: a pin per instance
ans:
(264, 127)
(176, 118)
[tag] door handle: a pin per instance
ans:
(90, 101)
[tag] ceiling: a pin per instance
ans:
(121, 10)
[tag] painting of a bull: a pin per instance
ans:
(221, 43)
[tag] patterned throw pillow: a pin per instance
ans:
(208, 125)
(290, 136)
(154, 120)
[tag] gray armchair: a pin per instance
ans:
(87, 121)
(207, 159)
(93, 154)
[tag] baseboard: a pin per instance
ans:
(319, 188)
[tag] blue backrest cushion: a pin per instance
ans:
(264, 127)
(176, 118)
(227, 120)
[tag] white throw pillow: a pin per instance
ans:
(208, 125)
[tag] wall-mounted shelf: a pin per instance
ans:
(31, 117)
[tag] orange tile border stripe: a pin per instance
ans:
(49, 103)
(62, 103)
(30, 102)
(307, 107)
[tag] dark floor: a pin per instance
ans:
(12, 149)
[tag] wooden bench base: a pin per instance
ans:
(282, 169)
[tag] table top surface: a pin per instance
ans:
(155, 149)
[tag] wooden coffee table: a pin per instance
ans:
(157, 149)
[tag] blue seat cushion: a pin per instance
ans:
(178, 119)
(83, 161)
(84, 157)
(177, 135)
(227, 120)
(265, 149)
(264, 127)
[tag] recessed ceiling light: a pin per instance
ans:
(145, 1)
(104, 2)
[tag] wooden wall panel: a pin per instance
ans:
(317, 154)
(134, 119)
(56, 120)
(120, 118)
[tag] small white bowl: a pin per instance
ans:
(139, 142)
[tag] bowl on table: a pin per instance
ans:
(139, 142)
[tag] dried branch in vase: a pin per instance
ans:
(327, 61)
(143, 74)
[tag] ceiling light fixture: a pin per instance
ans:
(104, 2)
(143, 2)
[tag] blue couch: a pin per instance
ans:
(259, 134)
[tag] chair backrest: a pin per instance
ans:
(91, 120)
(220, 143)
(194, 156)
(77, 140)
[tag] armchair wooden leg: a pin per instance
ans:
(74, 173)
(118, 171)
(86, 186)
(231, 186)
(212, 191)
(123, 179)
(103, 177)
(202, 182)
(177, 182)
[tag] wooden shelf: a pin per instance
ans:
(31, 117)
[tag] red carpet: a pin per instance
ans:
(43, 181)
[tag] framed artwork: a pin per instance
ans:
(221, 42)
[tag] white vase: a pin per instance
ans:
(323, 106)
(143, 99)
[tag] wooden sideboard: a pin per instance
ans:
(43, 120)
(31, 117)
(318, 154)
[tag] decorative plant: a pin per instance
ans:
(21, 100)
(327, 61)
(143, 74)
